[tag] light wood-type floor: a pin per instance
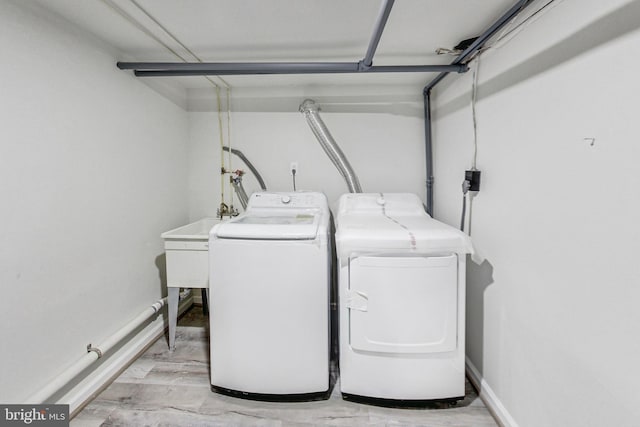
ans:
(164, 388)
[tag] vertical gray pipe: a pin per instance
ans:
(428, 148)
(310, 110)
(383, 16)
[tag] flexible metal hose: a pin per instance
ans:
(240, 191)
(310, 110)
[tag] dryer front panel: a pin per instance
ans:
(403, 304)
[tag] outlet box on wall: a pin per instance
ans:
(473, 176)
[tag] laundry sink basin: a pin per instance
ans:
(187, 252)
(194, 236)
(198, 230)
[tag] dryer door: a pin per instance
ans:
(400, 304)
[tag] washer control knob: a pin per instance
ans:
(285, 199)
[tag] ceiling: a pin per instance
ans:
(282, 30)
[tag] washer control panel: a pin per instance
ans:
(287, 200)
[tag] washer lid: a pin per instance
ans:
(266, 225)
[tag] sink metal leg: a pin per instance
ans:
(205, 302)
(174, 296)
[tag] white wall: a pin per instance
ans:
(553, 317)
(385, 150)
(92, 170)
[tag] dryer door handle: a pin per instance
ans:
(357, 300)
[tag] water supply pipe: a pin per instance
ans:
(94, 353)
(249, 165)
(310, 110)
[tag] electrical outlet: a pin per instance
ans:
(294, 167)
(473, 176)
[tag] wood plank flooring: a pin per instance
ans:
(164, 388)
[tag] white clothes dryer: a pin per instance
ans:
(269, 298)
(402, 300)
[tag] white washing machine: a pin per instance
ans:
(269, 298)
(402, 300)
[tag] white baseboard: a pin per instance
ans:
(86, 390)
(490, 399)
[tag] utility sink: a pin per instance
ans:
(187, 250)
(195, 232)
